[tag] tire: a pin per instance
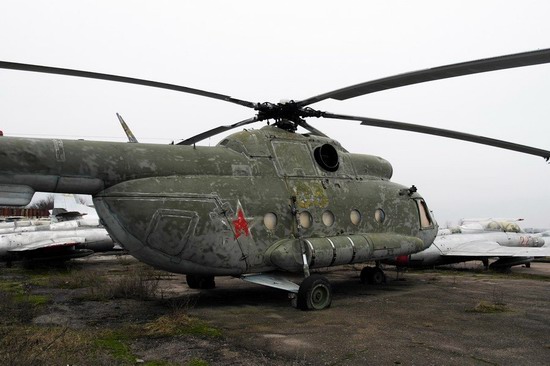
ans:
(366, 274)
(199, 282)
(192, 281)
(207, 283)
(315, 293)
(372, 276)
(377, 276)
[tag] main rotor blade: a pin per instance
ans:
(311, 129)
(437, 73)
(121, 79)
(215, 131)
(444, 133)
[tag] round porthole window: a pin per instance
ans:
(305, 219)
(379, 216)
(328, 218)
(355, 217)
(270, 220)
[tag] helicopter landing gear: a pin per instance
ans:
(315, 293)
(373, 276)
(200, 282)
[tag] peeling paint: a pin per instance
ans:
(309, 194)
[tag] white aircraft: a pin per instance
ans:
(22, 224)
(59, 240)
(67, 205)
(480, 240)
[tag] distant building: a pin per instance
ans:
(6, 212)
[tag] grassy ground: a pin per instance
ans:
(109, 311)
(26, 295)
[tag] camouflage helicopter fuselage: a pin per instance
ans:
(253, 203)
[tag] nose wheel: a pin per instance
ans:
(373, 276)
(315, 293)
(200, 282)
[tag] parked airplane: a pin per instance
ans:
(59, 240)
(540, 231)
(489, 224)
(496, 239)
(10, 224)
(66, 208)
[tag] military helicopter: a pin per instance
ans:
(259, 205)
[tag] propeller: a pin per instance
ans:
(289, 115)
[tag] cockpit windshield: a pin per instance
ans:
(424, 213)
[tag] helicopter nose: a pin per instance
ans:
(428, 235)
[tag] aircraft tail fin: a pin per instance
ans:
(129, 134)
(66, 208)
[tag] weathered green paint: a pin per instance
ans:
(344, 249)
(309, 193)
(200, 210)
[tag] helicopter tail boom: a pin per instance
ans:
(88, 167)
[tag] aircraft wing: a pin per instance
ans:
(486, 248)
(49, 243)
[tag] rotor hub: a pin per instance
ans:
(288, 115)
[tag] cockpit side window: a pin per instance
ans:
(294, 158)
(424, 214)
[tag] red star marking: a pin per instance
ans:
(241, 226)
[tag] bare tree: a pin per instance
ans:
(46, 203)
(81, 200)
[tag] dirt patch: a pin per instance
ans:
(453, 316)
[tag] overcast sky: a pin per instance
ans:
(268, 51)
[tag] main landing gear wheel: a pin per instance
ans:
(315, 293)
(373, 276)
(200, 282)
